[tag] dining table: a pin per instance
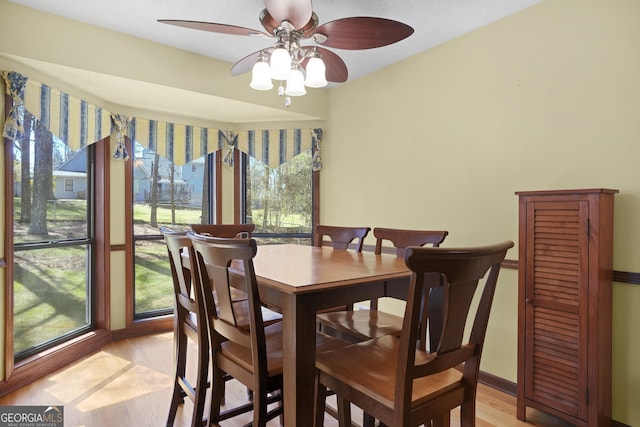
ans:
(298, 281)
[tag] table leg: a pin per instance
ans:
(299, 346)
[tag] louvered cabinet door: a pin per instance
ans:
(556, 295)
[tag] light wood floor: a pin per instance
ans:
(128, 383)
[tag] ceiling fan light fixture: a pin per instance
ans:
(261, 75)
(280, 63)
(290, 22)
(316, 73)
(295, 83)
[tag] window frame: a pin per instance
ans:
(162, 321)
(18, 374)
(87, 241)
(240, 208)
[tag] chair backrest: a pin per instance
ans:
(223, 230)
(177, 244)
(227, 321)
(402, 239)
(460, 271)
(341, 237)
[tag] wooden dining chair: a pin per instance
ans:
(223, 230)
(189, 322)
(242, 345)
(360, 325)
(396, 382)
(231, 231)
(341, 237)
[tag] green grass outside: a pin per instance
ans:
(49, 294)
(49, 284)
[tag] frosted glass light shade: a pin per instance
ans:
(316, 71)
(280, 64)
(261, 76)
(295, 84)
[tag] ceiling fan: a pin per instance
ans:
(300, 43)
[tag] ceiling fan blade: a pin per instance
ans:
(214, 28)
(362, 32)
(298, 12)
(336, 68)
(246, 64)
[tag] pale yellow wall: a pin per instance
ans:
(227, 195)
(118, 270)
(548, 98)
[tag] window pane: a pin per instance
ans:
(46, 207)
(50, 294)
(52, 240)
(154, 288)
(165, 195)
(279, 201)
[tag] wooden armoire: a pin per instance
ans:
(565, 304)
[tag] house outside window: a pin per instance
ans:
(168, 195)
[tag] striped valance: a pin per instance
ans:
(274, 147)
(75, 122)
(79, 123)
(179, 143)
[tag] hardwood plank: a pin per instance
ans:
(128, 383)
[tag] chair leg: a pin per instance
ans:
(176, 400)
(201, 384)
(321, 401)
(368, 420)
(281, 392)
(444, 420)
(468, 414)
(259, 409)
(344, 412)
(217, 395)
(180, 356)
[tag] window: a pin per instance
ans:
(164, 195)
(52, 241)
(279, 200)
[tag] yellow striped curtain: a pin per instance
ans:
(78, 123)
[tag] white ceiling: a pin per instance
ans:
(434, 21)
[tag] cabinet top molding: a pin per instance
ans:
(579, 191)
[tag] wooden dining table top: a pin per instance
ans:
(299, 269)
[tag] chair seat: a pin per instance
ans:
(362, 325)
(273, 337)
(242, 314)
(268, 316)
(370, 368)
(241, 355)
